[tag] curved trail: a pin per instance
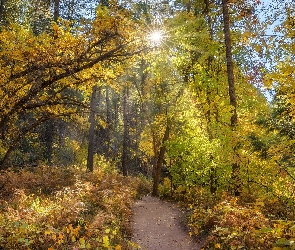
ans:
(157, 226)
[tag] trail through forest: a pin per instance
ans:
(158, 225)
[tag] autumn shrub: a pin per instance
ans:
(143, 186)
(36, 180)
(165, 188)
(231, 224)
(58, 208)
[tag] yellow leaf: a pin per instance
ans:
(259, 203)
(82, 241)
(106, 241)
(217, 245)
(47, 232)
(118, 247)
(258, 48)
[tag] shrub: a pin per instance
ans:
(231, 225)
(58, 208)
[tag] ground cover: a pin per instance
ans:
(245, 222)
(66, 208)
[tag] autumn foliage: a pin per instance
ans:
(208, 113)
(56, 208)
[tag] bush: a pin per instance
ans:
(58, 208)
(143, 186)
(232, 225)
(165, 188)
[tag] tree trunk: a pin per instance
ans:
(49, 137)
(210, 93)
(159, 163)
(93, 105)
(232, 95)
(230, 68)
(125, 133)
(108, 121)
(49, 125)
(56, 10)
(4, 161)
(2, 12)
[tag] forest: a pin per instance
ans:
(105, 101)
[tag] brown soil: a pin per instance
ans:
(158, 225)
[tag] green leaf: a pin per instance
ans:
(265, 230)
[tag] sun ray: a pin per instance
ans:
(156, 37)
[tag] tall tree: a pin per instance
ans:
(125, 151)
(95, 96)
(49, 126)
(56, 10)
(232, 95)
(157, 169)
(33, 64)
(2, 10)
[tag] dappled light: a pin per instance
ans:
(107, 106)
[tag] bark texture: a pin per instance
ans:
(229, 62)
(236, 181)
(159, 163)
(93, 105)
(125, 133)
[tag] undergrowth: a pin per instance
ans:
(57, 208)
(227, 222)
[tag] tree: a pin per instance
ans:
(125, 150)
(12, 11)
(95, 96)
(35, 64)
(232, 95)
(157, 169)
(49, 131)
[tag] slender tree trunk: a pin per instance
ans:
(232, 95)
(210, 114)
(93, 105)
(4, 161)
(56, 10)
(108, 120)
(2, 12)
(114, 147)
(159, 163)
(229, 62)
(125, 133)
(49, 137)
(212, 172)
(49, 125)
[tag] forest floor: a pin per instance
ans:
(160, 224)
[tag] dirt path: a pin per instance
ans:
(157, 226)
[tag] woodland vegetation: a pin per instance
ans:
(92, 110)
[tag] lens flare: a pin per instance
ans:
(156, 37)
